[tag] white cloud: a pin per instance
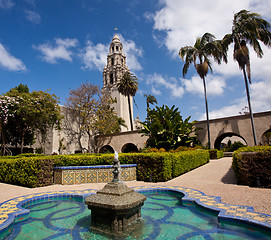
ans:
(260, 96)
(260, 101)
(31, 2)
(231, 110)
(32, 16)
(94, 56)
(132, 53)
(183, 21)
(6, 4)
(61, 50)
(215, 85)
(155, 91)
(10, 62)
(159, 84)
(179, 23)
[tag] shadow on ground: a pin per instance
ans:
(229, 177)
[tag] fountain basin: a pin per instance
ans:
(115, 209)
(17, 211)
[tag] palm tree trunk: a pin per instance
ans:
(249, 107)
(130, 113)
(207, 114)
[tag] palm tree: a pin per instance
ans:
(150, 99)
(128, 86)
(204, 48)
(249, 28)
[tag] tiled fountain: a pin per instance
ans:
(116, 209)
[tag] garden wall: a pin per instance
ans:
(92, 174)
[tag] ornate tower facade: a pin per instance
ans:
(112, 73)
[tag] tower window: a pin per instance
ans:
(117, 48)
(111, 78)
(112, 61)
(112, 49)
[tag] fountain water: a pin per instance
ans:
(116, 208)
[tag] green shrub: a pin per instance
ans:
(220, 154)
(215, 154)
(149, 150)
(29, 155)
(27, 171)
(186, 161)
(160, 167)
(184, 148)
(151, 167)
(247, 167)
(83, 159)
(155, 167)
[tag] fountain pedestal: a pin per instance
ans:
(115, 208)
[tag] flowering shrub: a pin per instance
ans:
(6, 108)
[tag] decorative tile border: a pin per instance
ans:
(91, 174)
(13, 210)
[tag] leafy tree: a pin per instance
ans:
(249, 28)
(128, 86)
(166, 128)
(78, 109)
(21, 88)
(104, 122)
(150, 99)
(89, 113)
(199, 54)
(34, 112)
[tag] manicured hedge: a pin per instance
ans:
(215, 154)
(220, 154)
(82, 159)
(252, 166)
(27, 171)
(151, 167)
(155, 167)
(186, 161)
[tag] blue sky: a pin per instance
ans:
(59, 44)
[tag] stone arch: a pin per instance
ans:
(106, 149)
(129, 147)
(266, 137)
(221, 137)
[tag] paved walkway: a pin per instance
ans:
(215, 178)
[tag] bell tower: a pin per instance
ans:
(112, 73)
